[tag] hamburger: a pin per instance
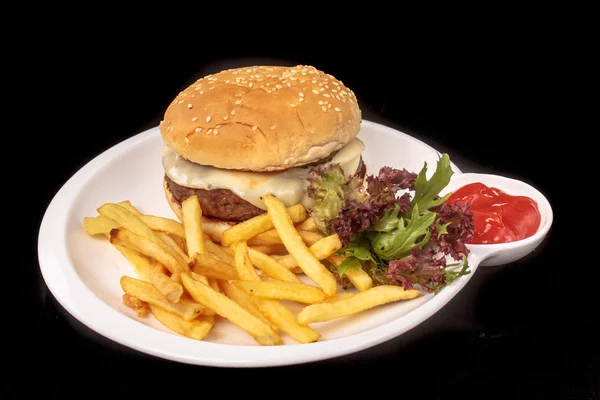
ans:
(236, 135)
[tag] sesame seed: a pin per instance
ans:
(301, 99)
(187, 140)
(278, 86)
(211, 88)
(328, 105)
(218, 126)
(227, 81)
(326, 95)
(194, 119)
(208, 132)
(337, 109)
(232, 112)
(216, 131)
(293, 105)
(324, 108)
(238, 102)
(272, 127)
(314, 81)
(202, 92)
(208, 119)
(225, 117)
(320, 102)
(289, 84)
(300, 94)
(180, 101)
(254, 127)
(198, 130)
(190, 105)
(250, 84)
(334, 91)
(315, 91)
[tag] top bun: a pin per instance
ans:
(262, 118)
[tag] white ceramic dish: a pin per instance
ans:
(83, 272)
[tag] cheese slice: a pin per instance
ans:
(289, 186)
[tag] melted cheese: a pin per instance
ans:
(289, 186)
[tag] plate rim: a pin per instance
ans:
(57, 269)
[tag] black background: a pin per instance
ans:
(482, 100)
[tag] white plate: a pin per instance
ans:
(83, 272)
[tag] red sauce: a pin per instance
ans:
(498, 216)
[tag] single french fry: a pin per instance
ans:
(214, 284)
(195, 329)
(232, 311)
(261, 223)
(127, 204)
(146, 291)
(280, 290)
(162, 224)
(199, 277)
(273, 249)
(339, 296)
(99, 225)
(361, 301)
(320, 249)
(271, 237)
(271, 267)
(359, 278)
(140, 263)
(172, 243)
(149, 248)
(218, 251)
(308, 225)
(282, 317)
(167, 286)
(311, 266)
(192, 223)
(250, 303)
(141, 307)
(209, 266)
(244, 268)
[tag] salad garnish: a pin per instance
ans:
(394, 225)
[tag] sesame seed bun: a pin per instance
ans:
(263, 118)
(212, 226)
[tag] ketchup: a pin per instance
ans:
(498, 217)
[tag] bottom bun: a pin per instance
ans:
(211, 226)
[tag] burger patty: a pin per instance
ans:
(217, 203)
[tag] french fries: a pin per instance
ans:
(271, 267)
(280, 290)
(244, 268)
(295, 245)
(361, 301)
(359, 278)
(149, 248)
(261, 223)
(145, 291)
(321, 249)
(192, 223)
(250, 303)
(196, 328)
(232, 311)
(187, 281)
(101, 225)
(212, 267)
(167, 286)
(271, 237)
(308, 225)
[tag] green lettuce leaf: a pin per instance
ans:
(398, 242)
(427, 191)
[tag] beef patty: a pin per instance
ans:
(224, 204)
(217, 203)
